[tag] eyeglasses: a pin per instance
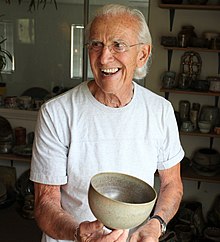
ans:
(116, 47)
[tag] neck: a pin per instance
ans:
(114, 100)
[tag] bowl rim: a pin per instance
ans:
(127, 175)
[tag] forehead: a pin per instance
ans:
(112, 27)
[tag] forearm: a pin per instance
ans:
(168, 201)
(170, 194)
(50, 216)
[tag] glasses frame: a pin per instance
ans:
(110, 47)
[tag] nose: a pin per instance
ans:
(106, 55)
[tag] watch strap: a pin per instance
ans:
(162, 223)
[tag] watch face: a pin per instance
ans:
(163, 228)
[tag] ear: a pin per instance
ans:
(143, 55)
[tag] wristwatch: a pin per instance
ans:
(162, 223)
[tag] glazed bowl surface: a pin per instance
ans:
(120, 201)
(205, 126)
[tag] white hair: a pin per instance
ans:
(144, 35)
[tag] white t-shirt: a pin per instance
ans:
(77, 137)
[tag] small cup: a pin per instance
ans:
(20, 135)
(194, 118)
(184, 81)
(24, 102)
(187, 126)
(10, 102)
(169, 79)
(217, 130)
(38, 103)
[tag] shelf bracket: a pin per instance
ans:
(218, 62)
(211, 142)
(216, 101)
(167, 95)
(170, 54)
(172, 14)
(198, 185)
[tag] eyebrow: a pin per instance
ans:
(112, 40)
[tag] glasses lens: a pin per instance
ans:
(119, 47)
(96, 45)
(116, 47)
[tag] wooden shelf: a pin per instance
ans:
(188, 173)
(191, 92)
(28, 115)
(197, 133)
(188, 91)
(195, 49)
(172, 8)
(13, 157)
(190, 6)
(191, 49)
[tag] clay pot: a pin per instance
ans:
(186, 35)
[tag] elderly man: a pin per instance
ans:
(106, 124)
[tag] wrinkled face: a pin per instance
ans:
(114, 71)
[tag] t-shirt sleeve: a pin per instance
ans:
(49, 158)
(171, 151)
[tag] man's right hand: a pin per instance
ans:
(95, 231)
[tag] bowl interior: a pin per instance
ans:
(123, 188)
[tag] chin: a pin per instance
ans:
(110, 87)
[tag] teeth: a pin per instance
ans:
(113, 70)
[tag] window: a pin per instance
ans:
(76, 65)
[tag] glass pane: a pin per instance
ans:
(76, 57)
(7, 47)
(76, 50)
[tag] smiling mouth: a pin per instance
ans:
(110, 71)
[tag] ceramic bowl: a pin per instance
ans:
(212, 233)
(207, 157)
(120, 201)
(204, 126)
(211, 114)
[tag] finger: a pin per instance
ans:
(124, 235)
(114, 235)
(90, 227)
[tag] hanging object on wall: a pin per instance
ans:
(7, 64)
(190, 69)
(26, 30)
